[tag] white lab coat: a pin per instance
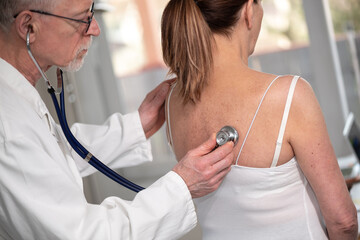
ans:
(41, 191)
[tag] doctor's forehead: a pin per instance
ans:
(74, 6)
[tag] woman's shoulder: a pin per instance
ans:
(285, 81)
(303, 96)
(304, 102)
(302, 88)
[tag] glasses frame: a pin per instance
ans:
(88, 22)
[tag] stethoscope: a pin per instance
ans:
(78, 148)
(225, 134)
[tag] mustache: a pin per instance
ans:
(77, 62)
(85, 46)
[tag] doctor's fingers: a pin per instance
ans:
(220, 153)
(205, 187)
(158, 122)
(215, 181)
(155, 99)
(224, 164)
(205, 148)
(151, 110)
(159, 93)
(215, 166)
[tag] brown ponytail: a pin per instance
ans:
(187, 29)
(186, 44)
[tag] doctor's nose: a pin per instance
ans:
(94, 28)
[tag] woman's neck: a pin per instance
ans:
(229, 56)
(227, 60)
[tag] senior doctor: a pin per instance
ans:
(41, 192)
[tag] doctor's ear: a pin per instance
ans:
(24, 24)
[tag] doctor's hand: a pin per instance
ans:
(203, 169)
(152, 109)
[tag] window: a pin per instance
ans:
(283, 26)
(133, 31)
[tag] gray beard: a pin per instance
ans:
(77, 63)
(74, 65)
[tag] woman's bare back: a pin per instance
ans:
(233, 101)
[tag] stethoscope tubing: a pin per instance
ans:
(78, 148)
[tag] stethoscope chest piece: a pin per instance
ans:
(226, 134)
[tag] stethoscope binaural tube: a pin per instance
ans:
(78, 148)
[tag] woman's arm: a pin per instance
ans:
(313, 150)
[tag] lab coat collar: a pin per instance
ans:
(11, 77)
(20, 85)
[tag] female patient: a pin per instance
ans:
(285, 182)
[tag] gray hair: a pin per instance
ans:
(9, 8)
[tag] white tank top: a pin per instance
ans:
(262, 203)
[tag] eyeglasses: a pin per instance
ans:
(88, 22)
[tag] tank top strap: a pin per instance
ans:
(168, 128)
(252, 122)
(284, 121)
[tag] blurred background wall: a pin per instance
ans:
(318, 40)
